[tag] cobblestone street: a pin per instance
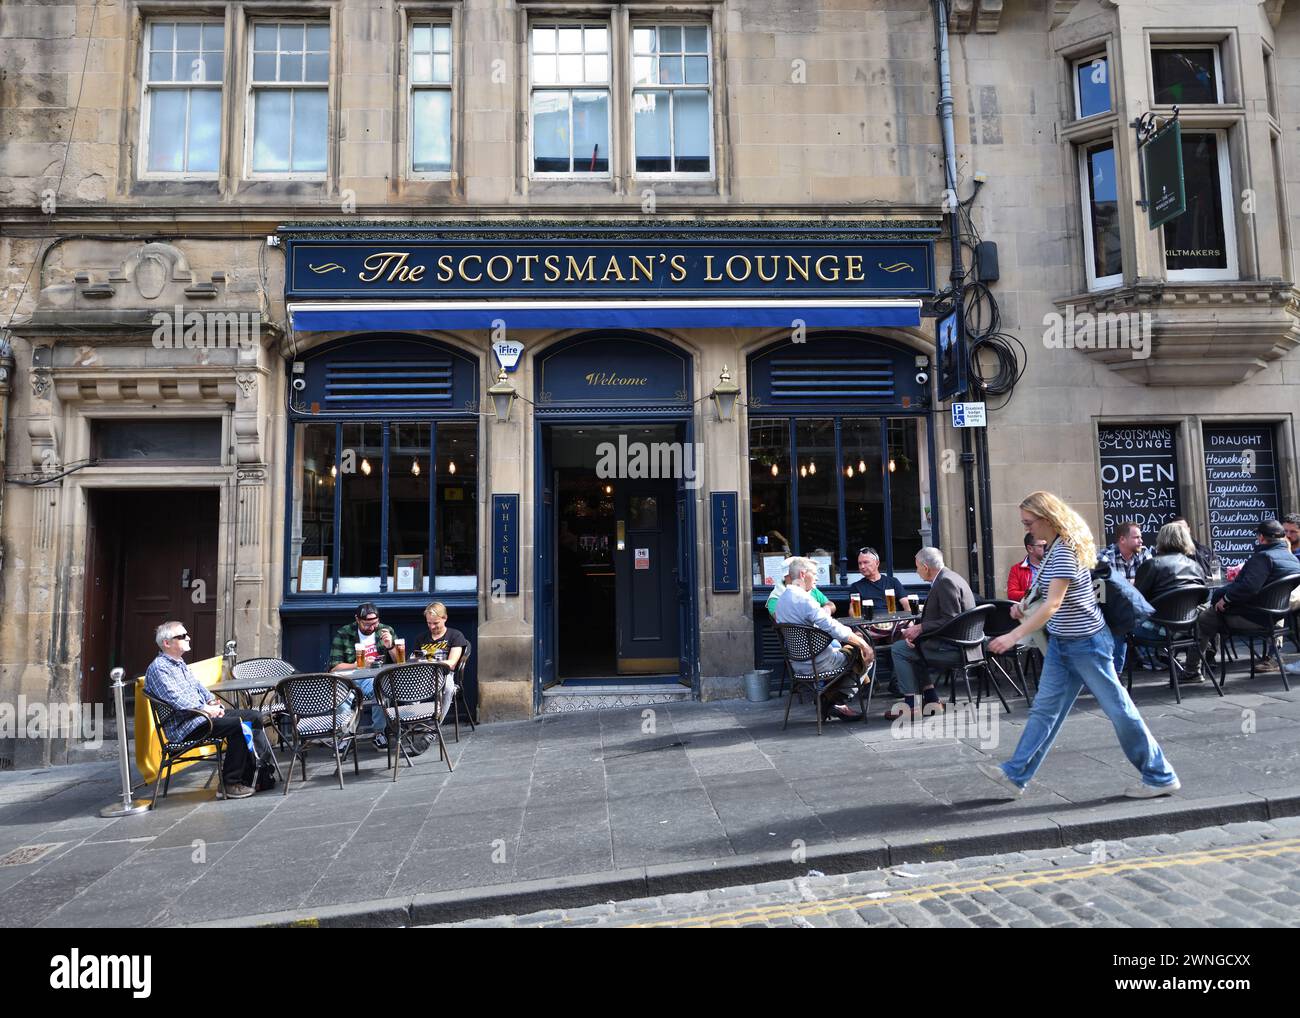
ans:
(1238, 875)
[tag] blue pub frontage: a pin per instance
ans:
(538, 424)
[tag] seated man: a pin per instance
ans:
(1025, 572)
(778, 588)
(1272, 560)
(1291, 525)
(874, 583)
(170, 680)
(443, 644)
(377, 640)
(950, 595)
(848, 655)
(1127, 554)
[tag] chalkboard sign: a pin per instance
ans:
(1139, 478)
(1241, 481)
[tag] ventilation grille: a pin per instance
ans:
(836, 379)
(413, 384)
(773, 652)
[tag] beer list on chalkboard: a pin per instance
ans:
(1139, 478)
(1241, 481)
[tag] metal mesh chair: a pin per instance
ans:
(320, 709)
(967, 632)
(411, 698)
(1264, 619)
(174, 750)
(802, 644)
(1177, 612)
(998, 623)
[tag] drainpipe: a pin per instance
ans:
(958, 271)
(6, 385)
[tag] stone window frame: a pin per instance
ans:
(1089, 59)
(646, 19)
(306, 17)
(428, 14)
(1095, 282)
(150, 17)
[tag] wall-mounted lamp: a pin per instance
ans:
(503, 397)
(725, 394)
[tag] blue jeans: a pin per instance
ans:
(377, 719)
(1068, 667)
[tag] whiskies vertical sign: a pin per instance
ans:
(1241, 481)
(505, 544)
(726, 576)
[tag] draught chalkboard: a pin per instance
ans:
(1139, 478)
(1241, 481)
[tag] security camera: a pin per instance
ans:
(922, 377)
(299, 384)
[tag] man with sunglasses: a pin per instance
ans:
(377, 639)
(874, 583)
(170, 679)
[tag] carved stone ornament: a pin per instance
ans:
(40, 384)
(246, 382)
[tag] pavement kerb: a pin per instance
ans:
(1112, 822)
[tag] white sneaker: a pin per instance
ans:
(999, 777)
(1145, 791)
(1293, 668)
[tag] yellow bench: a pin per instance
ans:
(148, 748)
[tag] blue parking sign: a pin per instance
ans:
(959, 415)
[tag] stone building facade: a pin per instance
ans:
(174, 164)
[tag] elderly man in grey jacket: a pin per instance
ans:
(950, 595)
(848, 655)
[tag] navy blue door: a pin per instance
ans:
(645, 577)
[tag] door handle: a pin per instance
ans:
(185, 579)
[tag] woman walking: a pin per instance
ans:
(1079, 653)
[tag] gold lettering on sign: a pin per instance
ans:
(477, 260)
(585, 274)
(834, 275)
(612, 378)
(734, 275)
(854, 273)
(677, 267)
(709, 275)
(896, 267)
(392, 266)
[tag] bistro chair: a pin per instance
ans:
(459, 702)
(1177, 612)
(999, 623)
(320, 709)
(1266, 620)
(272, 669)
(802, 644)
(411, 698)
(174, 750)
(967, 632)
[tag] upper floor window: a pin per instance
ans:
(290, 97)
(670, 98)
(184, 63)
(1183, 74)
(1091, 87)
(1201, 243)
(430, 81)
(1101, 233)
(570, 98)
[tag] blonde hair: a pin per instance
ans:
(1175, 537)
(1069, 525)
(435, 608)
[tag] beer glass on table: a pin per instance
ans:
(891, 603)
(855, 605)
(399, 650)
(361, 654)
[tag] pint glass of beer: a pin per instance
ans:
(399, 650)
(891, 603)
(869, 609)
(855, 606)
(361, 654)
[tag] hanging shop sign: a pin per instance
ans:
(538, 268)
(1139, 478)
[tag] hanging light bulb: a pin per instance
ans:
(365, 467)
(812, 468)
(609, 489)
(451, 467)
(850, 470)
(862, 466)
(803, 471)
(334, 471)
(891, 466)
(775, 472)
(320, 480)
(415, 468)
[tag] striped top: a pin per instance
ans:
(1078, 615)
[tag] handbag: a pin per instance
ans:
(1035, 596)
(1121, 605)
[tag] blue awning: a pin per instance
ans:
(354, 316)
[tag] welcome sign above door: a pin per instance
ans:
(639, 268)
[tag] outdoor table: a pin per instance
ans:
(246, 687)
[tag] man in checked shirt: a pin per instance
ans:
(169, 679)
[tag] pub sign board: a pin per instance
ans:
(1139, 478)
(1241, 482)
(462, 269)
(1166, 190)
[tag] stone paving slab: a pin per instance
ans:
(690, 797)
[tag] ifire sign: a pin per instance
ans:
(508, 352)
(968, 415)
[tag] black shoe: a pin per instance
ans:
(1187, 678)
(840, 712)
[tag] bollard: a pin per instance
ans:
(128, 806)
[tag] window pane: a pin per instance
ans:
(551, 132)
(697, 70)
(160, 36)
(597, 40)
(167, 131)
(313, 496)
(263, 66)
(691, 131)
(317, 67)
(643, 40)
(214, 37)
(570, 40)
(422, 39)
(212, 64)
(457, 510)
(1094, 87)
(442, 38)
(769, 491)
(442, 67)
(160, 65)
(291, 67)
(696, 39)
(1104, 212)
(187, 36)
(264, 37)
(205, 130)
(431, 134)
(1196, 239)
(271, 131)
(187, 64)
(318, 37)
(590, 132)
(1184, 76)
(818, 498)
(422, 67)
(361, 473)
(643, 70)
(291, 38)
(905, 490)
(670, 39)
(194, 441)
(410, 481)
(543, 40)
(544, 70)
(864, 490)
(650, 122)
(309, 123)
(670, 70)
(570, 69)
(597, 69)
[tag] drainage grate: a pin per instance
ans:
(28, 854)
